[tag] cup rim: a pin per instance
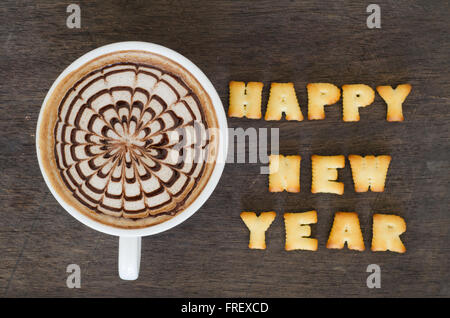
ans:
(222, 148)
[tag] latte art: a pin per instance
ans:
(119, 145)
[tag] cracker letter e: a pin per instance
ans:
(298, 232)
(324, 174)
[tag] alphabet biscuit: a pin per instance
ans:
(324, 174)
(297, 231)
(283, 99)
(320, 95)
(369, 171)
(346, 229)
(355, 96)
(386, 233)
(245, 99)
(284, 173)
(394, 99)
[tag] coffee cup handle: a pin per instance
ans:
(129, 257)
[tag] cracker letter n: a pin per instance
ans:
(394, 99)
(284, 173)
(324, 174)
(346, 229)
(258, 226)
(319, 95)
(369, 171)
(386, 233)
(245, 99)
(353, 97)
(297, 231)
(282, 99)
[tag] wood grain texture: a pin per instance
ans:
(268, 41)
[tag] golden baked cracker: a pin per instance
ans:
(353, 97)
(284, 173)
(369, 171)
(324, 174)
(386, 233)
(283, 99)
(319, 95)
(394, 99)
(258, 226)
(245, 99)
(298, 232)
(346, 229)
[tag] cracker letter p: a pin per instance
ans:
(320, 95)
(298, 232)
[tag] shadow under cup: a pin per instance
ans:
(114, 57)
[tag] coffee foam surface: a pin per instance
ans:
(130, 142)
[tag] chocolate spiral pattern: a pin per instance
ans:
(130, 141)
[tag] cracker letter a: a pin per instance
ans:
(369, 171)
(282, 99)
(346, 229)
(258, 226)
(245, 99)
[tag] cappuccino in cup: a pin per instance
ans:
(125, 139)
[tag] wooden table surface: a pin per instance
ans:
(267, 41)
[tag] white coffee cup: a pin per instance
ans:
(130, 239)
